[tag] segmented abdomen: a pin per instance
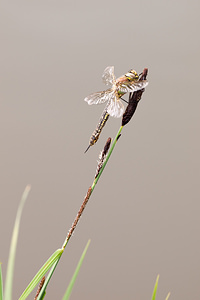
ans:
(95, 136)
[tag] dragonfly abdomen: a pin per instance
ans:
(97, 131)
(95, 136)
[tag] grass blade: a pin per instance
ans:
(13, 246)
(48, 264)
(72, 282)
(1, 284)
(43, 289)
(167, 296)
(155, 289)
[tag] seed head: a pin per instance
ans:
(102, 157)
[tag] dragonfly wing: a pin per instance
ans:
(133, 86)
(108, 76)
(115, 108)
(99, 97)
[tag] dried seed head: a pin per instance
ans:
(107, 146)
(144, 74)
(102, 156)
(134, 98)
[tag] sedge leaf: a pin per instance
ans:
(43, 289)
(167, 296)
(155, 289)
(1, 283)
(47, 265)
(13, 246)
(72, 282)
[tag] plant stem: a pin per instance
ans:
(134, 98)
(90, 190)
(79, 214)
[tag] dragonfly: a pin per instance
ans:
(129, 82)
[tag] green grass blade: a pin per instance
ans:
(48, 264)
(71, 284)
(155, 289)
(43, 296)
(1, 284)
(167, 296)
(43, 290)
(13, 246)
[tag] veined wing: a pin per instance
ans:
(99, 97)
(132, 86)
(115, 107)
(108, 76)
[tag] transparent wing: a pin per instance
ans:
(108, 76)
(99, 97)
(115, 107)
(133, 86)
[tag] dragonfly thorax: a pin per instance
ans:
(128, 78)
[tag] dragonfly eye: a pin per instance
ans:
(134, 73)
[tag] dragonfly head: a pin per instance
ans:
(132, 75)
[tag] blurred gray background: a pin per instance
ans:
(143, 217)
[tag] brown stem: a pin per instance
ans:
(78, 216)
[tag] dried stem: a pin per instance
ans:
(78, 216)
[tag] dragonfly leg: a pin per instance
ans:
(124, 100)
